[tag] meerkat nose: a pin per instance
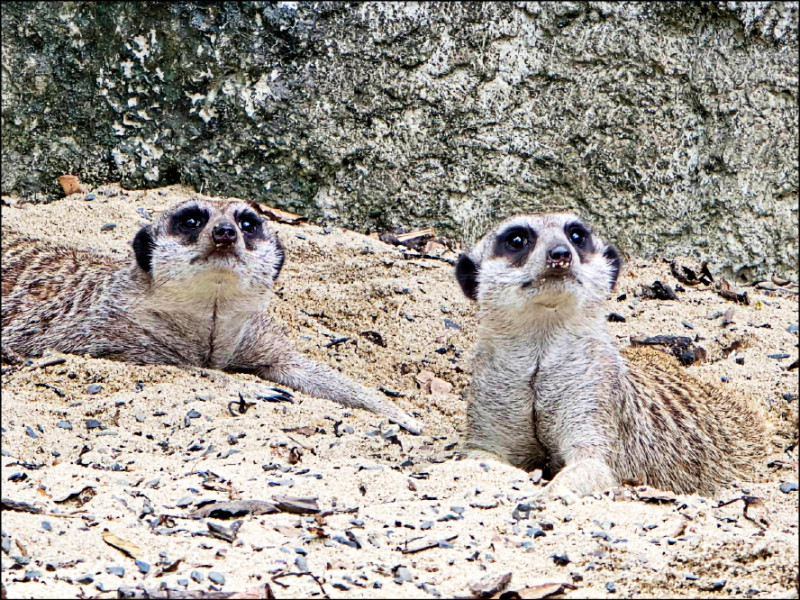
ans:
(224, 233)
(559, 257)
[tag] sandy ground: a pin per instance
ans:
(153, 460)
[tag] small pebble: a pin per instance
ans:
(426, 525)
(184, 502)
(788, 486)
(46, 526)
(402, 575)
(93, 424)
(197, 576)
(780, 356)
(301, 563)
(450, 324)
(216, 577)
(611, 587)
(560, 559)
(90, 197)
(299, 236)
(193, 414)
(29, 430)
(64, 424)
(687, 324)
(94, 388)
(108, 227)
(792, 329)
(118, 571)
(86, 579)
(143, 566)
(615, 318)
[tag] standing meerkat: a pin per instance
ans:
(550, 389)
(194, 292)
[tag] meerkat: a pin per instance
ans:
(193, 292)
(551, 390)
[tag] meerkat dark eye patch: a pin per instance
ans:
(515, 244)
(581, 239)
(613, 257)
(251, 225)
(467, 276)
(189, 222)
(143, 245)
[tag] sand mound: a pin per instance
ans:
(103, 449)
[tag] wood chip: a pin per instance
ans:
(423, 543)
(648, 494)
(295, 505)
(236, 509)
(71, 184)
(124, 546)
(9, 504)
(539, 590)
(725, 289)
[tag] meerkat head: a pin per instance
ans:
(538, 262)
(200, 241)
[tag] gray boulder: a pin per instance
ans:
(672, 127)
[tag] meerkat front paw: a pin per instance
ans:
(578, 479)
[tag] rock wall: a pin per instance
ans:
(672, 127)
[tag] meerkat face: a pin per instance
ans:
(199, 241)
(545, 261)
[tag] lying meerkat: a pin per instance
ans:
(551, 390)
(194, 292)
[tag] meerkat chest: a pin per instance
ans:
(203, 330)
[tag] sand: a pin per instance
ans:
(167, 442)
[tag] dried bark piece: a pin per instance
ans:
(235, 509)
(648, 494)
(123, 545)
(79, 498)
(9, 504)
(539, 590)
(296, 505)
(424, 543)
(725, 289)
(280, 216)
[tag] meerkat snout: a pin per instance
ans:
(559, 259)
(224, 234)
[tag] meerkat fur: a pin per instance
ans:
(193, 292)
(551, 390)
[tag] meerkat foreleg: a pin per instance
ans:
(581, 476)
(315, 379)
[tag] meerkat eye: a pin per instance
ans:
(516, 240)
(577, 235)
(248, 223)
(189, 220)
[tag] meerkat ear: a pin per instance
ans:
(143, 245)
(614, 259)
(467, 276)
(281, 258)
